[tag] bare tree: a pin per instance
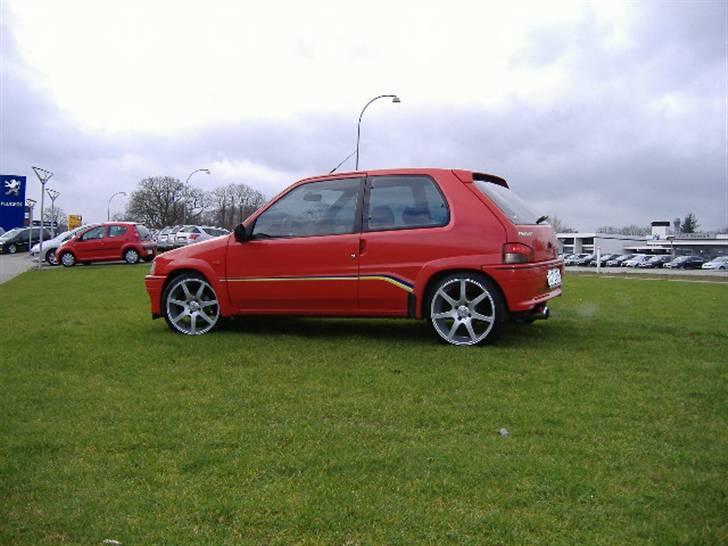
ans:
(58, 215)
(559, 225)
(158, 201)
(229, 205)
(632, 229)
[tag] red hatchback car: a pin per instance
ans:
(454, 247)
(106, 242)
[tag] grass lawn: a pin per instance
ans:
(319, 431)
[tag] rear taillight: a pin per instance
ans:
(517, 253)
(193, 236)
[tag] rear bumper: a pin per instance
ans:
(154, 285)
(525, 286)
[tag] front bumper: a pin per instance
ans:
(525, 286)
(154, 285)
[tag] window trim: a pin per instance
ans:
(357, 211)
(365, 205)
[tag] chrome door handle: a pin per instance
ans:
(353, 256)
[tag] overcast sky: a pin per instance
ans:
(601, 113)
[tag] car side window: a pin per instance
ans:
(117, 231)
(94, 233)
(317, 208)
(404, 202)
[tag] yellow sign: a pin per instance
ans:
(74, 220)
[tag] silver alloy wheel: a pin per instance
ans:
(131, 256)
(51, 257)
(68, 259)
(463, 311)
(12, 249)
(192, 306)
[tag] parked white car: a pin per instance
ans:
(195, 234)
(636, 261)
(721, 262)
(50, 246)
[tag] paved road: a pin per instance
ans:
(13, 264)
(702, 274)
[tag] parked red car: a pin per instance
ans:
(106, 242)
(454, 247)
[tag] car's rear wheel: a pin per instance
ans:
(466, 309)
(190, 305)
(68, 259)
(12, 249)
(131, 256)
(51, 257)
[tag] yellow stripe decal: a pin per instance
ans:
(399, 284)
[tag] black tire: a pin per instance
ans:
(68, 259)
(131, 256)
(50, 257)
(181, 312)
(12, 248)
(473, 315)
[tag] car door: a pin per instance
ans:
(404, 226)
(303, 254)
(91, 245)
(116, 236)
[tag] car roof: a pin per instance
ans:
(462, 174)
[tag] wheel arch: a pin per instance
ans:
(423, 296)
(209, 276)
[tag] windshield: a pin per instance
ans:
(511, 205)
(10, 234)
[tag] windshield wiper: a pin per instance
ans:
(542, 219)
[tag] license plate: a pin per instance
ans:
(554, 278)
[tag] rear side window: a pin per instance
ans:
(143, 232)
(401, 202)
(117, 231)
(508, 202)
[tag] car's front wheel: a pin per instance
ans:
(190, 305)
(68, 259)
(12, 249)
(466, 309)
(51, 257)
(131, 256)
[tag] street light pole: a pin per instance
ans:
(184, 204)
(30, 203)
(44, 176)
(53, 194)
(108, 207)
(395, 99)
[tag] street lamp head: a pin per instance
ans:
(30, 202)
(205, 171)
(396, 99)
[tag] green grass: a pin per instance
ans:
(313, 431)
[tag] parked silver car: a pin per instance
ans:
(50, 246)
(721, 262)
(195, 234)
(166, 237)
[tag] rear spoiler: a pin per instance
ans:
(468, 177)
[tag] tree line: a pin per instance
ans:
(162, 201)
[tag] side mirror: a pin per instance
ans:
(242, 233)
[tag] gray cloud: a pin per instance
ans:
(640, 134)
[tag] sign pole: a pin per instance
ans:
(30, 204)
(44, 176)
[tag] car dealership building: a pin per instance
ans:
(664, 238)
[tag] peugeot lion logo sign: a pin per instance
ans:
(12, 187)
